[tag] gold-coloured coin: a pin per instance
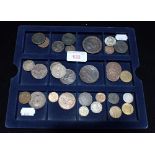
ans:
(127, 109)
(100, 97)
(126, 76)
(115, 112)
(53, 97)
(24, 97)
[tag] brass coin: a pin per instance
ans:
(53, 97)
(45, 44)
(109, 49)
(24, 97)
(126, 76)
(127, 109)
(115, 112)
(100, 97)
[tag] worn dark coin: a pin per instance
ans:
(109, 49)
(113, 71)
(68, 38)
(58, 46)
(89, 74)
(113, 98)
(121, 47)
(70, 48)
(69, 77)
(38, 38)
(85, 99)
(45, 44)
(92, 44)
(24, 97)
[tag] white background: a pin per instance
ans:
(77, 144)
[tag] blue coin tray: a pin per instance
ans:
(51, 115)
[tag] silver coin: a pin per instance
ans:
(68, 38)
(85, 99)
(83, 111)
(121, 47)
(92, 44)
(39, 71)
(69, 77)
(58, 46)
(89, 74)
(58, 71)
(128, 97)
(110, 41)
(28, 65)
(52, 64)
(38, 38)
(113, 98)
(96, 107)
(38, 100)
(70, 48)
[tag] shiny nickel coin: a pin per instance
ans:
(100, 97)
(110, 41)
(70, 48)
(67, 101)
(24, 97)
(121, 47)
(115, 112)
(38, 38)
(128, 97)
(85, 99)
(39, 71)
(92, 44)
(113, 98)
(96, 107)
(53, 97)
(68, 39)
(45, 44)
(83, 111)
(127, 109)
(69, 77)
(38, 100)
(89, 74)
(58, 46)
(28, 65)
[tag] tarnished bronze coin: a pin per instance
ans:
(70, 48)
(68, 39)
(109, 49)
(45, 44)
(127, 109)
(53, 97)
(38, 38)
(126, 76)
(24, 97)
(115, 112)
(113, 71)
(121, 47)
(58, 46)
(100, 97)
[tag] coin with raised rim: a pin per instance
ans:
(128, 97)
(100, 97)
(38, 38)
(115, 112)
(83, 111)
(96, 107)
(68, 39)
(58, 46)
(121, 47)
(85, 99)
(53, 97)
(110, 41)
(127, 108)
(24, 97)
(113, 98)
(45, 44)
(126, 76)
(28, 65)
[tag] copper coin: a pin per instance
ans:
(45, 44)
(126, 76)
(109, 49)
(127, 109)
(115, 112)
(113, 71)
(24, 97)
(100, 97)
(53, 97)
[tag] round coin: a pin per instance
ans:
(85, 99)
(58, 70)
(58, 46)
(110, 41)
(38, 100)
(53, 97)
(113, 71)
(109, 49)
(67, 101)
(24, 97)
(127, 109)
(96, 107)
(45, 44)
(128, 97)
(28, 65)
(89, 74)
(38, 38)
(69, 77)
(121, 47)
(113, 98)
(68, 38)
(83, 111)
(100, 97)
(115, 112)
(39, 71)
(126, 76)
(92, 44)
(70, 48)
(52, 64)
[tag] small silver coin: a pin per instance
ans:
(38, 38)
(52, 64)
(85, 99)
(92, 44)
(96, 107)
(128, 97)
(70, 48)
(58, 46)
(113, 98)
(69, 77)
(121, 47)
(58, 70)
(28, 65)
(38, 100)
(68, 39)
(89, 74)
(110, 41)
(83, 111)
(39, 71)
